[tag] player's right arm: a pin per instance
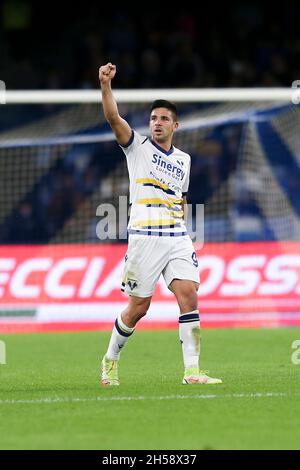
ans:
(119, 126)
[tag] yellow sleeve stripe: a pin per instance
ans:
(152, 181)
(176, 201)
(155, 201)
(178, 214)
(156, 223)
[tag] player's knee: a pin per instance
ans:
(141, 310)
(142, 302)
(139, 307)
(131, 316)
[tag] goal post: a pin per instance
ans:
(147, 95)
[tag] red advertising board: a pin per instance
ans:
(238, 279)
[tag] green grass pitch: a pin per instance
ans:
(50, 397)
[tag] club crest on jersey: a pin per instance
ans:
(169, 167)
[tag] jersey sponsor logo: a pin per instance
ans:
(173, 169)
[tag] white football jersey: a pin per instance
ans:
(158, 180)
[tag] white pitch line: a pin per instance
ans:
(51, 400)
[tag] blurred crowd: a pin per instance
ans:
(227, 182)
(45, 46)
(60, 192)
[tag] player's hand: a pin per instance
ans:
(107, 73)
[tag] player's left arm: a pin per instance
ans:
(184, 207)
(185, 189)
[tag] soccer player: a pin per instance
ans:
(158, 240)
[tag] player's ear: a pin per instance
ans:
(176, 125)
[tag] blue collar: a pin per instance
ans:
(161, 149)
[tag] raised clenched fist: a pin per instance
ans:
(107, 73)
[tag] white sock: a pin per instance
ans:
(189, 334)
(119, 337)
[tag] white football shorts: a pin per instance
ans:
(149, 256)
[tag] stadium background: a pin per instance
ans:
(58, 163)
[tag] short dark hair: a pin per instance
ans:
(165, 104)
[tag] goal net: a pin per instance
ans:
(58, 168)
